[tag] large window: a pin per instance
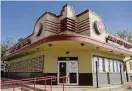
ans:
(107, 64)
(95, 60)
(111, 65)
(118, 66)
(101, 64)
(115, 66)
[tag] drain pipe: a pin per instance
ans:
(126, 68)
(97, 81)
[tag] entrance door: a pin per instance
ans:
(70, 69)
(73, 72)
(62, 70)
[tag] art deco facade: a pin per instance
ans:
(72, 45)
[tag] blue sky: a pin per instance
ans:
(18, 18)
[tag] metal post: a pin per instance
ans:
(121, 73)
(51, 85)
(63, 83)
(97, 74)
(34, 84)
(21, 86)
(45, 84)
(108, 77)
(126, 72)
(14, 86)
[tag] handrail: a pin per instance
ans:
(34, 80)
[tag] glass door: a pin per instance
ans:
(69, 69)
(62, 70)
(73, 72)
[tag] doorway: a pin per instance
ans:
(68, 68)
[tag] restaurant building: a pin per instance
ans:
(72, 45)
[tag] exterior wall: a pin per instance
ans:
(35, 54)
(54, 21)
(93, 33)
(102, 37)
(26, 74)
(113, 78)
(101, 79)
(84, 63)
(83, 18)
(51, 58)
(51, 67)
(45, 32)
(33, 37)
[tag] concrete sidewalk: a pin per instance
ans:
(68, 88)
(60, 88)
(11, 89)
(75, 88)
(29, 87)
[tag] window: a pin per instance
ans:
(115, 65)
(94, 67)
(101, 64)
(118, 66)
(111, 65)
(106, 64)
(2, 67)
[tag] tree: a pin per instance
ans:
(3, 49)
(20, 39)
(130, 37)
(125, 34)
(7, 44)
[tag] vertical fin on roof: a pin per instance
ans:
(67, 11)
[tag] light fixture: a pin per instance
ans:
(38, 49)
(67, 52)
(97, 48)
(50, 45)
(82, 44)
(121, 54)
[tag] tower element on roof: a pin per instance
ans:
(67, 11)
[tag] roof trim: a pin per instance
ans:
(72, 37)
(86, 11)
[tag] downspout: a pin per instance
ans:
(126, 68)
(97, 81)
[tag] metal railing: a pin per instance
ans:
(22, 82)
